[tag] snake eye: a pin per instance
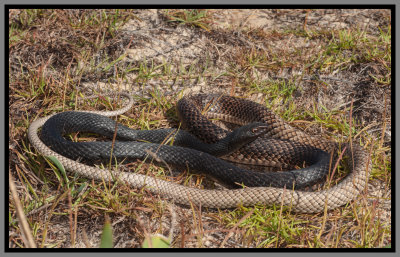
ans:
(259, 129)
(254, 130)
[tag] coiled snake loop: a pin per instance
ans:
(238, 111)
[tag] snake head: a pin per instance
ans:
(258, 129)
(250, 132)
(240, 137)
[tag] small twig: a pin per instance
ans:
(336, 165)
(351, 124)
(280, 216)
(71, 226)
(234, 227)
(44, 236)
(113, 143)
(384, 124)
(122, 218)
(305, 21)
(173, 223)
(336, 79)
(145, 232)
(158, 159)
(207, 232)
(183, 235)
(170, 136)
(38, 209)
(326, 198)
(27, 236)
(75, 222)
(85, 239)
(20, 179)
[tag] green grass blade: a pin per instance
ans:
(157, 241)
(106, 237)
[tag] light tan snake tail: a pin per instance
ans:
(299, 201)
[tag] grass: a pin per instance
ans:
(65, 210)
(196, 17)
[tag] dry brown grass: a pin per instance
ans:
(307, 66)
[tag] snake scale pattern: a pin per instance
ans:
(283, 141)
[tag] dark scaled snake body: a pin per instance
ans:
(194, 111)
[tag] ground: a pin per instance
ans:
(327, 72)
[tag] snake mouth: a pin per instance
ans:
(260, 130)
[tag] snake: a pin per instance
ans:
(249, 188)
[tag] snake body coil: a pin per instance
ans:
(294, 145)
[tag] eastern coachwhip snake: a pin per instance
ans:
(237, 111)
